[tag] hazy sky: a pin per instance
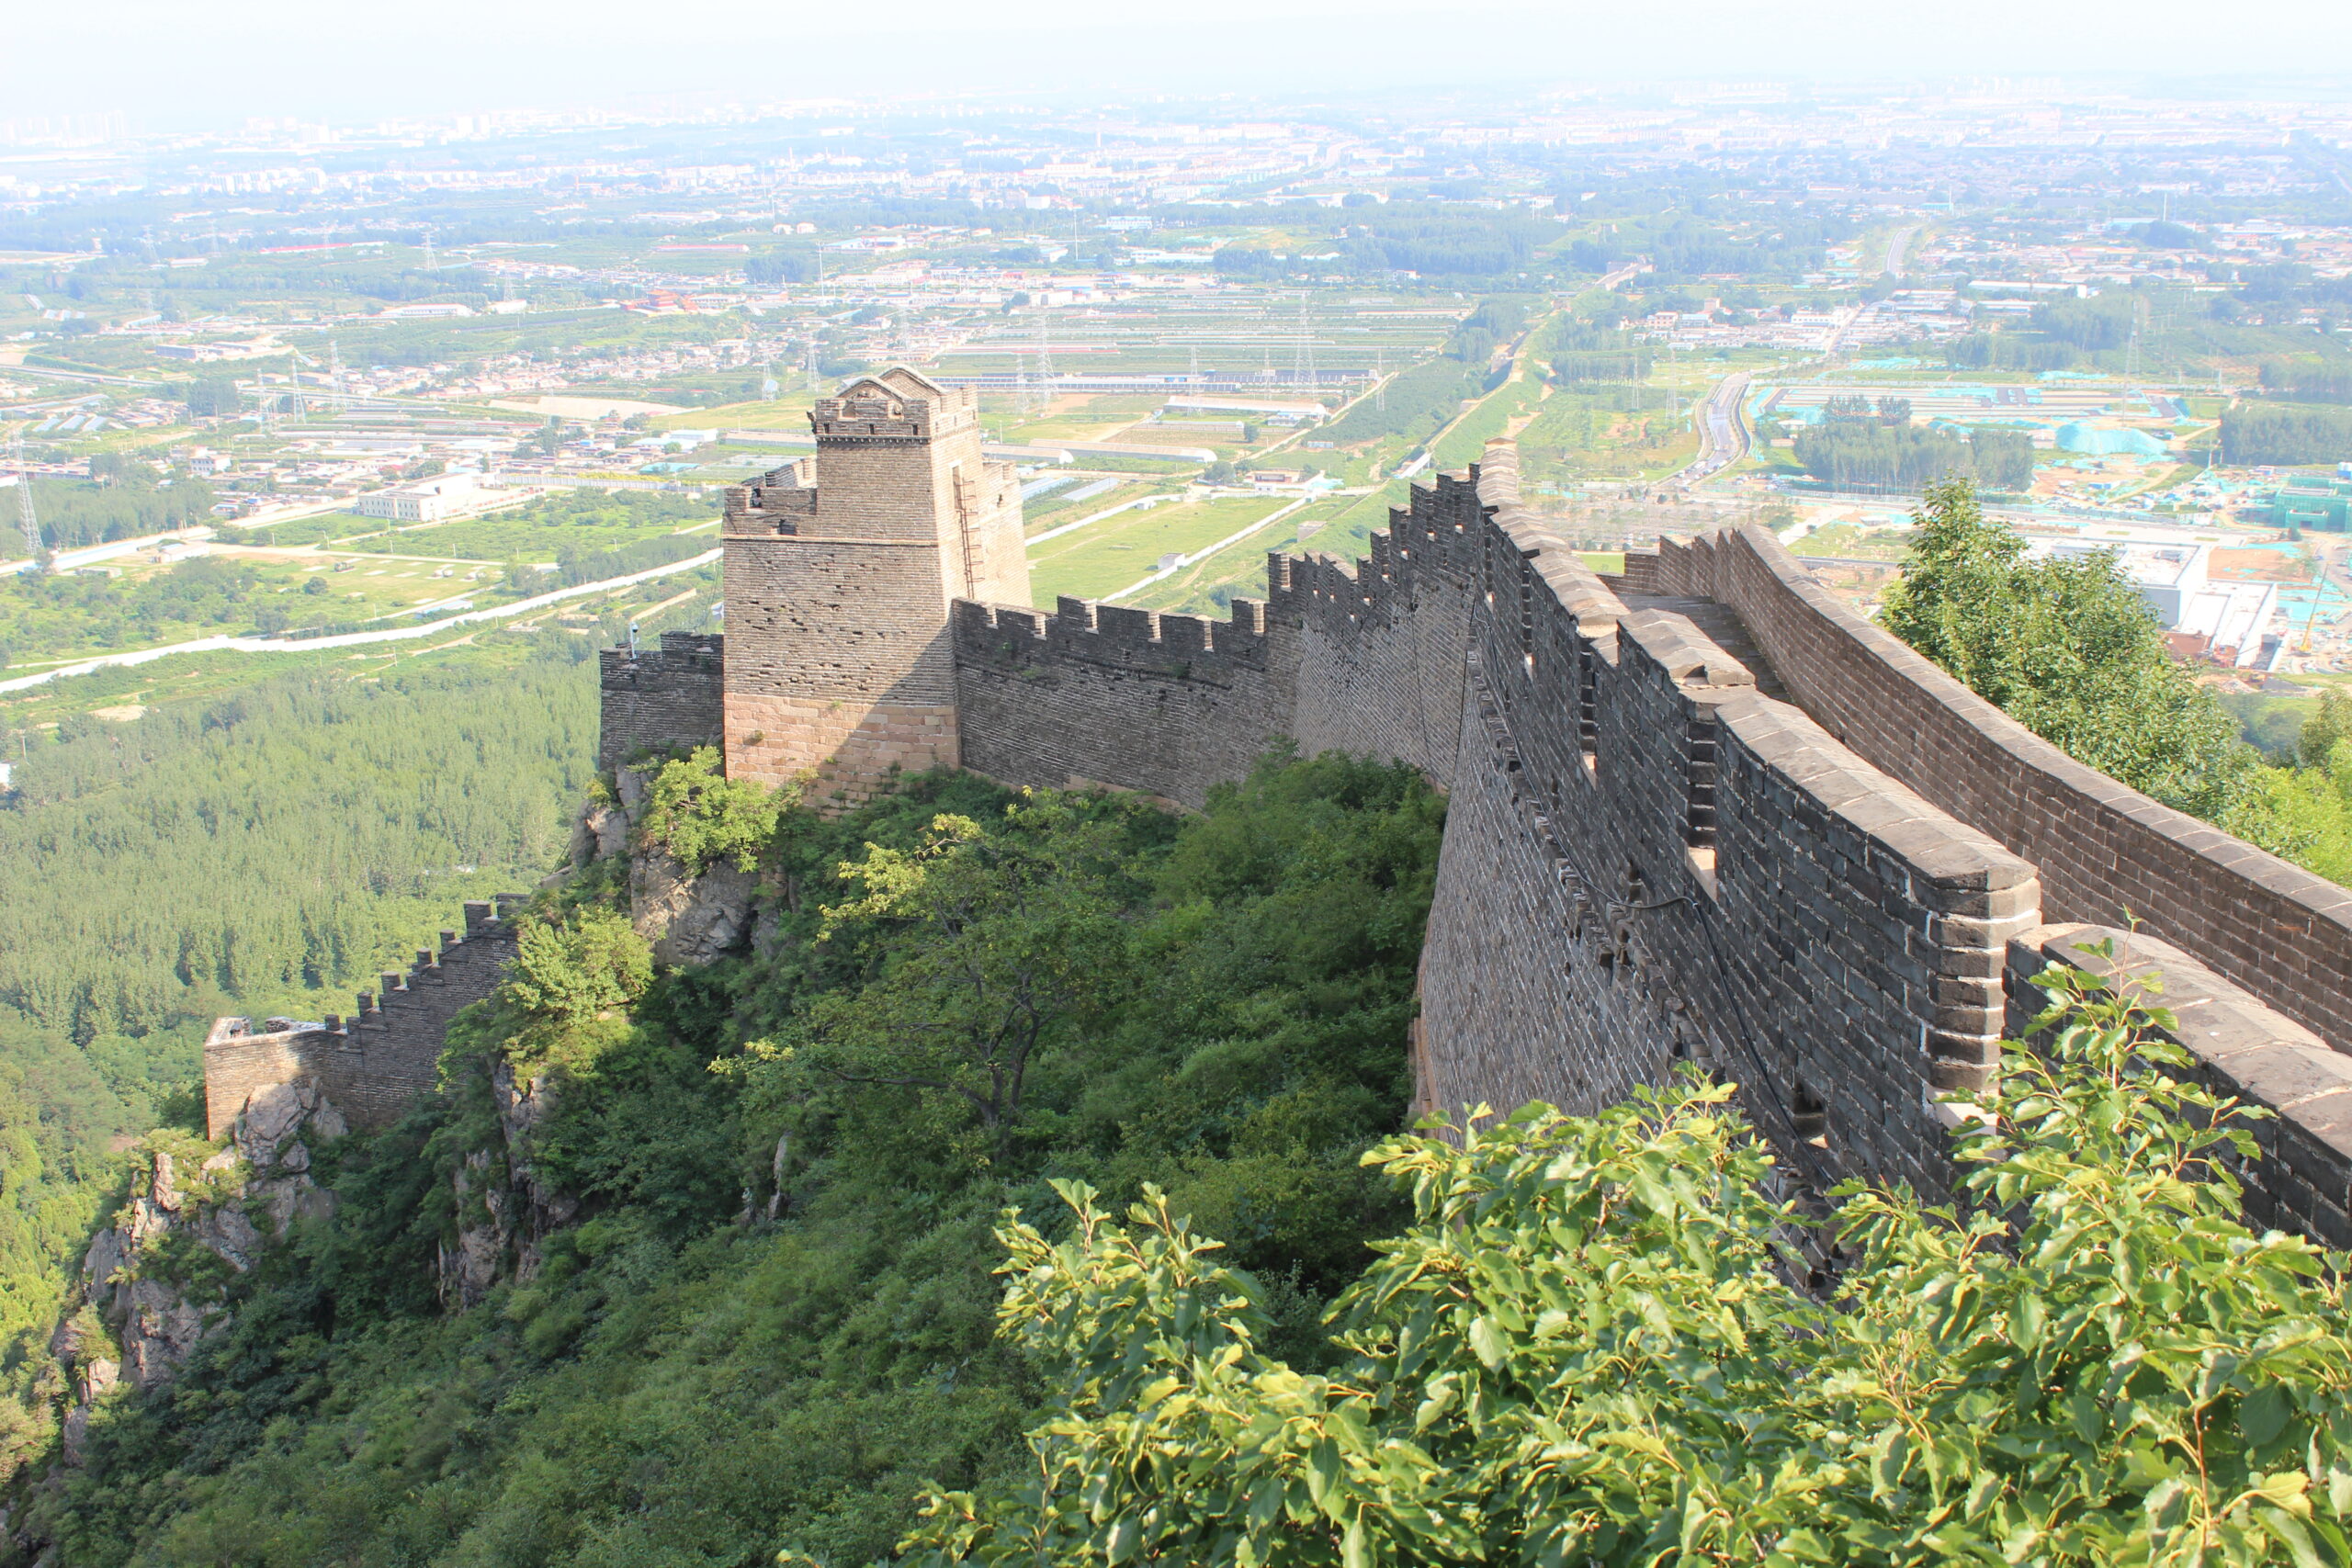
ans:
(167, 61)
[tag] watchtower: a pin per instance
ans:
(840, 571)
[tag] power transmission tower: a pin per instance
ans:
(26, 521)
(429, 262)
(1380, 380)
(335, 377)
(769, 386)
(1302, 366)
(1045, 354)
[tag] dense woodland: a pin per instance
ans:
(132, 501)
(270, 851)
(2286, 434)
(1867, 455)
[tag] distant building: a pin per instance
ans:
(428, 500)
(2227, 622)
(2313, 501)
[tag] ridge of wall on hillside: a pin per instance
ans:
(2107, 854)
(1645, 860)
(1697, 812)
(372, 1065)
(1738, 886)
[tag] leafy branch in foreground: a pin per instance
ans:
(1585, 1350)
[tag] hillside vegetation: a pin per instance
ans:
(269, 850)
(769, 1315)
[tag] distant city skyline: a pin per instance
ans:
(170, 66)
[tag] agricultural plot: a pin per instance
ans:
(1099, 560)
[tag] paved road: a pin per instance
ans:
(1722, 434)
(354, 640)
(1896, 246)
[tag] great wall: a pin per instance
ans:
(372, 1064)
(1698, 811)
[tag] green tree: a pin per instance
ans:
(2315, 746)
(999, 945)
(575, 969)
(702, 818)
(212, 399)
(2067, 647)
(1587, 1349)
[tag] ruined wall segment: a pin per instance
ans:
(372, 1065)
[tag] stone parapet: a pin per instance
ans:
(374, 1063)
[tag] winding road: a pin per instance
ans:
(1722, 434)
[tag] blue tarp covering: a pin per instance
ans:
(2080, 437)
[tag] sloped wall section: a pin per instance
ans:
(372, 1065)
(1647, 859)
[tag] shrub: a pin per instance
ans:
(701, 817)
(1588, 1350)
(567, 972)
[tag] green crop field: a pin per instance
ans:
(1099, 560)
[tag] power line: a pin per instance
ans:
(1302, 368)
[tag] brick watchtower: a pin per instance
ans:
(839, 574)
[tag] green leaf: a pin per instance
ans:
(2262, 1415)
(1487, 1342)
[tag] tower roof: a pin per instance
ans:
(900, 380)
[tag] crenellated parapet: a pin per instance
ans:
(661, 698)
(374, 1063)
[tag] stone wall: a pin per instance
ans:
(1700, 812)
(2107, 854)
(659, 698)
(372, 1066)
(1648, 858)
(1098, 694)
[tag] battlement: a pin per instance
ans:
(373, 1065)
(898, 405)
(661, 698)
(1189, 645)
(781, 501)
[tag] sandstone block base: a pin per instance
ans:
(845, 753)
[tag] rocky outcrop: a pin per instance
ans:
(505, 1211)
(154, 1283)
(690, 918)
